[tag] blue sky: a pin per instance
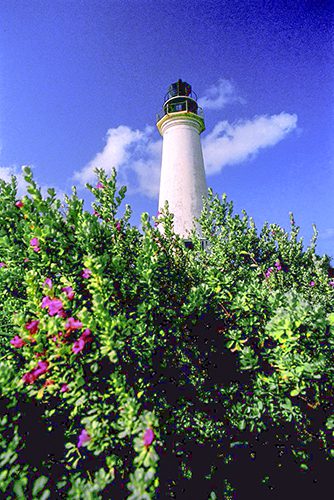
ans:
(81, 82)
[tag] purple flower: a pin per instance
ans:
(331, 283)
(278, 266)
(118, 226)
(32, 326)
(96, 213)
(73, 324)
(55, 305)
(156, 222)
(64, 388)
(29, 377)
(86, 273)
(86, 335)
(2, 264)
(45, 302)
(17, 342)
(19, 204)
(34, 242)
(99, 185)
(148, 437)
(41, 368)
(69, 292)
(48, 282)
(312, 283)
(268, 272)
(84, 438)
(84, 339)
(78, 346)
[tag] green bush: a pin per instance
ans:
(125, 357)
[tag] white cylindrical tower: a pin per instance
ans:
(182, 181)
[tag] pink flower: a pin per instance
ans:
(99, 185)
(64, 388)
(46, 301)
(2, 264)
(48, 282)
(55, 305)
(32, 327)
(278, 266)
(61, 313)
(148, 437)
(331, 283)
(156, 223)
(268, 272)
(19, 204)
(29, 377)
(69, 292)
(118, 226)
(17, 342)
(96, 213)
(86, 273)
(84, 339)
(312, 283)
(26, 259)
(73, 324)
(41, 368)
(78, 346)
(84, 438)
(86, 335)
(34, 242)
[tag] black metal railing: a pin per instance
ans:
(188, 106)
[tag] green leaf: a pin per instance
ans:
(39, 484)
(242, 425)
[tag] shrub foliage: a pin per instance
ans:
(134, 367)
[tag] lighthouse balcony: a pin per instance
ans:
(175, 106)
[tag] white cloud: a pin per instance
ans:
(6, 174)
(148, 170)
(220, 94)
(228, 144)
(116, 152)
(135, 154)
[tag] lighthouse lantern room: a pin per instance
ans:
(182, 182)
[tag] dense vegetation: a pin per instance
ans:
(134, 367)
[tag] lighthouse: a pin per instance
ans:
(182, 181)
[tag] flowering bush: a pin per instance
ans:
(126, 357)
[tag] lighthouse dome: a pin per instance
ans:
(180, 98)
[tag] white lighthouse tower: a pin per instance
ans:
(182, 181)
